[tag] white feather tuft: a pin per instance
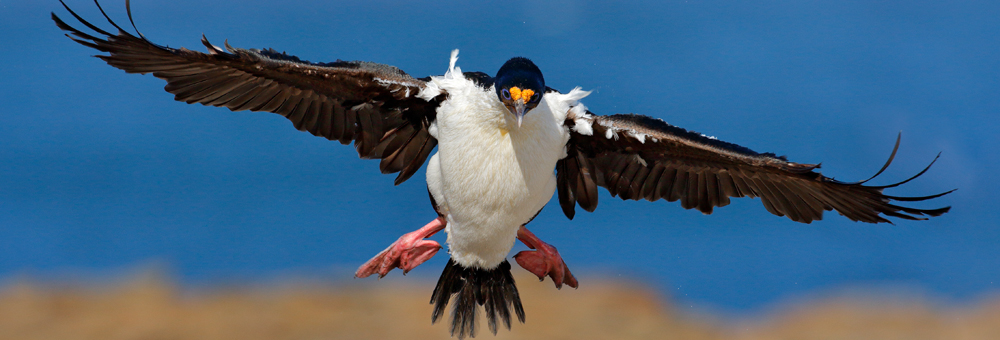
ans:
(583, 126)
(433, 87)
(429, 91)
(453, 71)
(612, 131)
(574, 96)
(584, 122)
(433, 129)
(637, 135)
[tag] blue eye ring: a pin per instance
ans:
(506, 94)
(536, 97)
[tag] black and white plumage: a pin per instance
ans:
(505, 145)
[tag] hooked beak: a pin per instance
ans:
(519, 108)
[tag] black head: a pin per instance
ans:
(520, 86)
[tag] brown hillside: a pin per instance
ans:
(148, 309)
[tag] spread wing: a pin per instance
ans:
(373, 105)
(638, 157)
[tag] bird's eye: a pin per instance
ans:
(536, 98)
(506, 94)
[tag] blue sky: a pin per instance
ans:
(101, 171)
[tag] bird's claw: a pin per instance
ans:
(545, 261)
(399, 255)
(408, 252)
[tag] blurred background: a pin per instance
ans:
(125, 214)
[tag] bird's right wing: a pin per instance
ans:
(374, 105)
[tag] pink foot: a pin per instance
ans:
(408, 252)
(545, 261)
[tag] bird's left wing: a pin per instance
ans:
(373, 105)
(638, 157)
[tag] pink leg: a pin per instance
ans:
(408, 252)
(543, 261)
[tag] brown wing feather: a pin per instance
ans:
(637, 157)
(372, 105)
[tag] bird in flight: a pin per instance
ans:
(505, 144)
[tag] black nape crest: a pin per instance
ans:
(522, 73)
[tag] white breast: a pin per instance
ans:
(489, 176)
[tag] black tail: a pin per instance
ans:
(491, 288)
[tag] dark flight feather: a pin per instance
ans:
(349, 101)
(649, 159)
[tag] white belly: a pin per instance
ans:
(489, 178)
